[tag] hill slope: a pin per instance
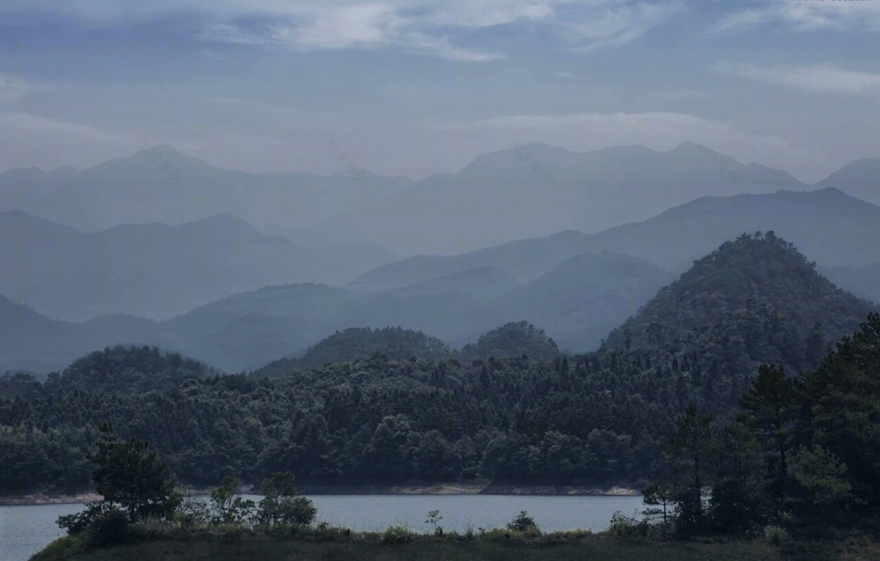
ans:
(155, 270)
(359, 343)
(754, 300)
(860, 178)
(828, 225)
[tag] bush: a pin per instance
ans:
(775, 535)
(283, 504)
(397, 534)
(289, 511)
(632, 529)
(324, 532)
(79, 522)
(522, 523)
(110, 528)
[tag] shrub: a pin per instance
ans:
(775, 535)
(79, 522)
(397, 534)
(522, 523)
(434, 519)
(630, 528)
(283, 504)
(110, 528)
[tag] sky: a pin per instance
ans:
(410, 87)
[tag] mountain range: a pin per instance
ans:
(160, 184)
(155, 270)
(580, 300)
(828, 225)
(531, 190)
(220, 290)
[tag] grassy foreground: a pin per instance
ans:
(561, 547)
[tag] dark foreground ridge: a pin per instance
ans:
(393, 546)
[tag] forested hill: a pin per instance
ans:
(753, 300)
(593, 419)
(512, 340)
(515, 339)
(128, 370)
(363, 342)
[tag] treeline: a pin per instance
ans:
(595, 419)
(802, 452)
(511, 340)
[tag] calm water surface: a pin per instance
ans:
(24, 530)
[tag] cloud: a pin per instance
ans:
(47, 142)
(819, 78)
(214, 55)
(570, 76)
(614, 24)
(804, 16)
(13, 88)
(418, 26)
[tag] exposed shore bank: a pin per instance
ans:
(440, 489)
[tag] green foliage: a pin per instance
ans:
(659, 497)
(392, 342)
(689, 452)
(802, 452)
(228, 508)
(131, 476)
(753, 301)
(129, 370)
(394, 535)
(79, 522)
(109, 528)
(434, 519)
(282, 505)
(512, 340)
(822, 484)
(522, 523)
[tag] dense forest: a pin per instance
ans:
(534, 416)
(515, 339)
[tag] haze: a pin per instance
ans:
(411, 88)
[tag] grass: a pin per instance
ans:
(500, 546)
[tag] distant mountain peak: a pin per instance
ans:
(163, 149)
(689, 145)
(162, 160)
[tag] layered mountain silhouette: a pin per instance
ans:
(581, 301)
(860, 178)
(535, 190)
(160, 184)
(156, 270)
(530, 190)
(828, 225)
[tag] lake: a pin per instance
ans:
(24, 530)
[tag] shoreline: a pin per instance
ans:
(323, 490)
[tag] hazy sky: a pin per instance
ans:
(413, 87)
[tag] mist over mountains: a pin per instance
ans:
(155, 270)
(535, 190)
(223, 290)
(530, 190)
(160, 184)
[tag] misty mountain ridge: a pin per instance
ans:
(161, 184)
(581, 301)
(828, 225)
(860, 178)
(535, 190)
(530, 190)
(156, 270)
